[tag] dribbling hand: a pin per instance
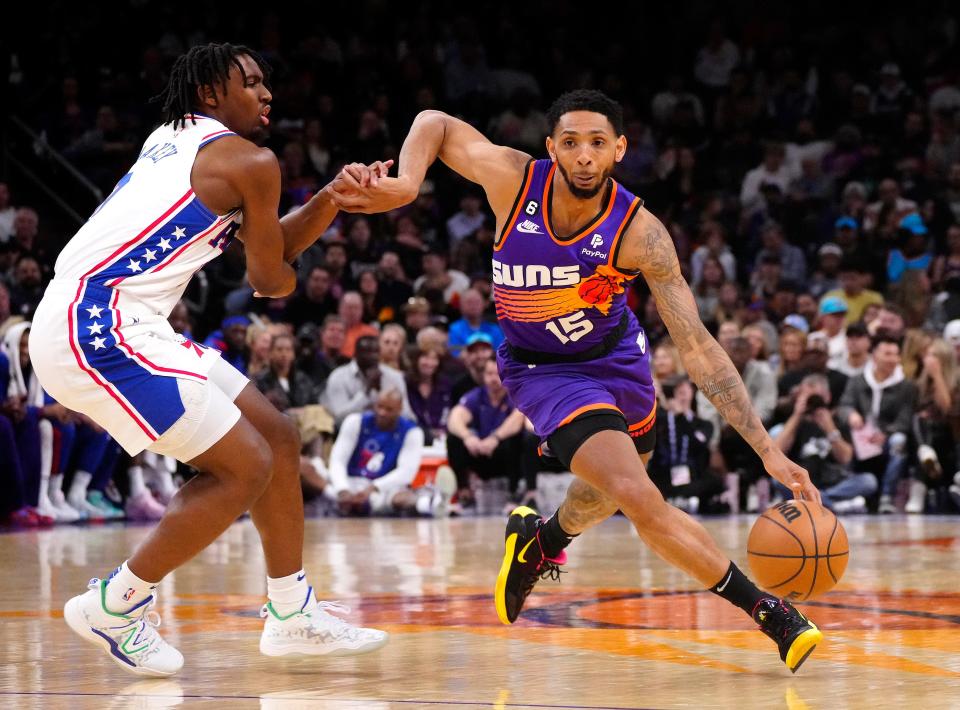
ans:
(792, 476)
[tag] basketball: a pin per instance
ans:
(797, 551)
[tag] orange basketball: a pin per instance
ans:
(797, 551)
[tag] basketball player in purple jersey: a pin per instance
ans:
(575, 360)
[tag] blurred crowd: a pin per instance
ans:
(807, 167)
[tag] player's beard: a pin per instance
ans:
(581, 193)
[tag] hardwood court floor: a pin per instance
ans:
(623, 630)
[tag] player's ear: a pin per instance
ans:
(551, 149)
(207, 95)
(621, 148)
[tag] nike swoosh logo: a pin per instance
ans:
(301, 577)
(528, 230)
(520, 557)
(725, 583)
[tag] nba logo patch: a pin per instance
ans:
(596, 241)
(642, 342)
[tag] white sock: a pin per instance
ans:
(125, 590)
(135, 476)
(78, 488)
(289, 594)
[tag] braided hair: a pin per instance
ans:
(204, 65)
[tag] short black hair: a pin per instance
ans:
(884, 336)
(203, 65)
(586, 100)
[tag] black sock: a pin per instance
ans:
(553, 538)
(738, 590)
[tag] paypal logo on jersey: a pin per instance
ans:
(535, 275)
(159, 151)
(595, 241)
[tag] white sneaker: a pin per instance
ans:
(928, 459)
(445, 485)
(316, 632)
(886, 505)
(65, 513)
(129, 640)
(857, 504)
(918, 497)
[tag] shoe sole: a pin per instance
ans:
(74, 619)
(802, 647)
(312, 649)
(510, 547)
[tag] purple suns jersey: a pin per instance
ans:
(558, 294)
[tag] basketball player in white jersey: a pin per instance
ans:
(101, 345)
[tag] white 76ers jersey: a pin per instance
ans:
(152, 233)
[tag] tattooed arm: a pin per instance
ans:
(647, 247)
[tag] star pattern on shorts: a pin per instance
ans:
(95, 328)
(134, 266)
(149, 255)
(179, 232)
(98, 343)
(164, 245)
(94, 311)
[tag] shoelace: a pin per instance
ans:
(146, 617)
(777, 626)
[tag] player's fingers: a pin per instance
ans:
(349, 178)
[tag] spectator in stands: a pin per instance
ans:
(484, 435)
(475, 354)
(827, 275)
(27, 287)
(717, 58)
(429, 393)
(351, 313)
(437, 277)
(679, 464)
(259, 339)
(774, 170)
(890, 205)
(665, 365)
(470, 217)
(393, 288)
(393, 340)
(7, 213)
(416, 316)
(354, 387)
(793, 264)
(472, 307)
(878, 406)
(313, 301)
(889, 320)
(325, 353)
(935, 422)
(853, 290)
(338, 266)
(231, 341)
(706, 292)
(793, 341)
(858, 351)
(283, 383)
(374, 460)
(26, 241)
(713, 244)
(833, 316)
(821, 443)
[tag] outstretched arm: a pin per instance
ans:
(648, 247)
(434, 134)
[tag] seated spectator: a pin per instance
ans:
(416, 316)
(393, 288)
(814, 361)
(338, 266)
(908, 266)
(432, 338)
(259, 339)
(889, 320)
(827, 275)
(472, 307)
(889, 203)
(26, 241)
(437, 277)
(793, 264)
(484, 435)
(833, 315)
(393, 340)
(282, 382)
(853, 290)
(679, 465)
(313, 301)
(324, 353)
(469, 219)
(793, 341)
(7, 213)
(773, 170)
(665, 365)
(27, 287)
(714, 244)
(935, 422)
(707, 291)
(474, 355)
(858, 351)
(429, 393)
(820, 442)
(374, 460)
(351, 312)
(231, 341)
(878, 406)
(354, 387)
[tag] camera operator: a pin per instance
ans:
(820, 442)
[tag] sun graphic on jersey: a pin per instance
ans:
(596, 291)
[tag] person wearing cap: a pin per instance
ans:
(833, 314)
(231, 341)
(472, 307)
(858, 351)
(827, 275)
(853, 289)
(476, 352)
